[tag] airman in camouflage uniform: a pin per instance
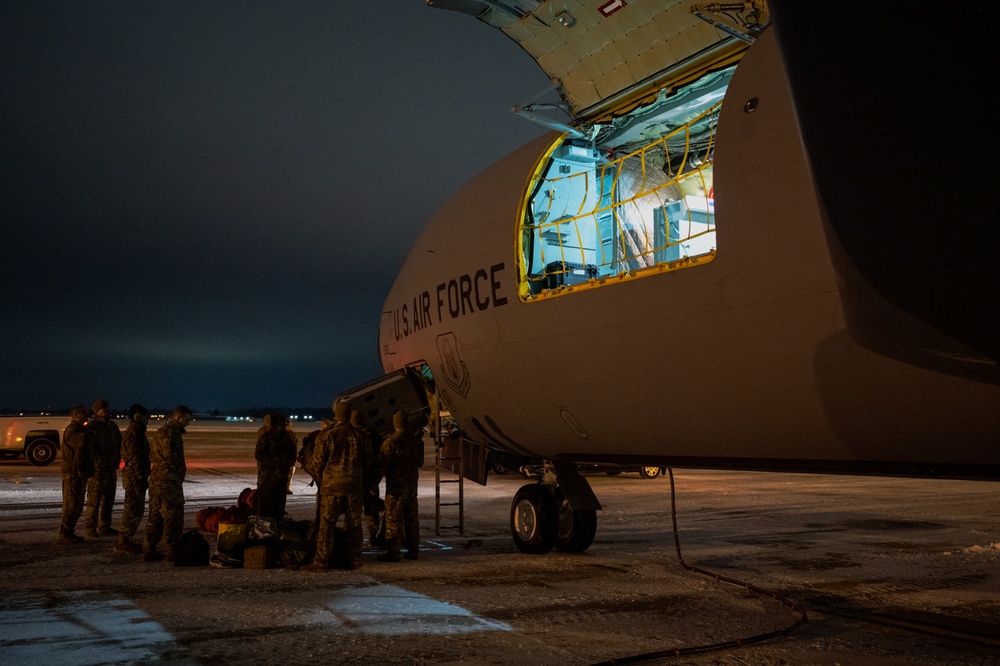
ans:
(275, 453)
(166, 487)
(77, 465)
(401, 457)
(102, 486)
(341, 458)
(373, 505)
(135, 478)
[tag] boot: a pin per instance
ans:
(389, 557)
(316, 566)
(391, 551)
(151, 555)
(91, 533)
(171, 555)
(68, 539)
(125, 546)
(107, 531)
(412, 554)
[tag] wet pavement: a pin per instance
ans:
(889, 571)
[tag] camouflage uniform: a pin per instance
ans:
(166, 489)
(306, 453)
(275, 453)
(77, 465)
(341, 458)
(305, 458)
(373, 505)
(102, 486)
(135, 478)
(401, 457)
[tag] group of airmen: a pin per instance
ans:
(92, 451)
(346, 460)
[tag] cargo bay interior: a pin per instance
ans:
(632, 197)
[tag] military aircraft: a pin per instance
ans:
(727, 254)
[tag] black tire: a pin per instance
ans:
(534, 520)
(10, 455)
(576, 528)
(499, 468)
(40, 452)
(649, 472)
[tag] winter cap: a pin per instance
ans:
(342, 412)
(399, 420)
(136, 410)
(275, 420)
(78, 412)
(100, 404)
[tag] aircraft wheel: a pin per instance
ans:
(649, 472)
(40, 452)
(9, 455)
(534, 520)
(576, 528)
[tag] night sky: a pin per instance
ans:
(207, 202)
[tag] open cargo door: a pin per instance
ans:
(379, 399)
(606, 55)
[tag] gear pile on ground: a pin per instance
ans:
(255, 542)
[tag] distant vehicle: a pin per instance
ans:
(36, 437)
(645, 471)
(502, 464)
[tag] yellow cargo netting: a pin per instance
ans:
(648, 211)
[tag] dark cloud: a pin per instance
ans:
(207, 202)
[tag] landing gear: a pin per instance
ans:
(534, 519)
(559, 512)
(576, 529)
(539, 522)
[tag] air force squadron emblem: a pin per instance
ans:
(455, 371)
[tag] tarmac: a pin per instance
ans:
(887, 571)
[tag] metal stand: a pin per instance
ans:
(441, 458)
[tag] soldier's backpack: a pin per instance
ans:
(193, 550)
(305, 454)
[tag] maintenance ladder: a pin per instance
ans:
(452, 453)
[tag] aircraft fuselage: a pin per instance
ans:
(744, 361)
